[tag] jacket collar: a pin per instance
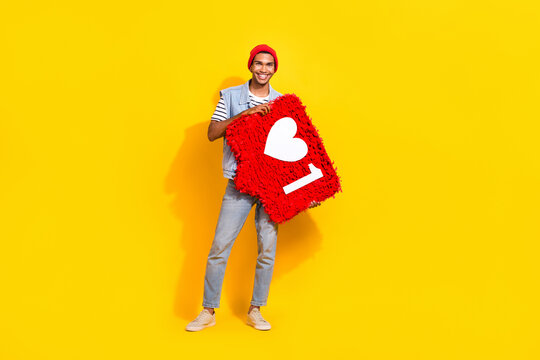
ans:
(244, 94)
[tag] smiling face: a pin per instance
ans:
(262, 68)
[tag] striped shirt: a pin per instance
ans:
(221, 111)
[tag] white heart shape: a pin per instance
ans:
(281, 143)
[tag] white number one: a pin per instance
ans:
(303, 181)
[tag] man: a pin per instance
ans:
(249, 98)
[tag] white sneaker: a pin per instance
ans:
(256, 320)
(204, 320)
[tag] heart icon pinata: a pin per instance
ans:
(281, 159)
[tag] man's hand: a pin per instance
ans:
(216, 129)
(263, 109)
(314, 204)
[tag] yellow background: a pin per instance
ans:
(110, 190)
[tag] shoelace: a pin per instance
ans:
(201, 317)
(258, 316)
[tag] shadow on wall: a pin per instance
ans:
(197, 203)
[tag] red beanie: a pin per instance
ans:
(263, 47)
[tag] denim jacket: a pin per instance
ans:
(237, 100)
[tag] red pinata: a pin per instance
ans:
(281, 159)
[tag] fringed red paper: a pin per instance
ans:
(265, 177)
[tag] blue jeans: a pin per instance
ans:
(235, 208)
